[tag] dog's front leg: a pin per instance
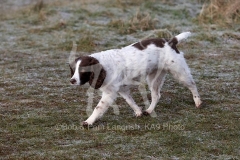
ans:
(106, 100)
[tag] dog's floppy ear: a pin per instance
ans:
(72, 72)
(97, 76)
(93, 72)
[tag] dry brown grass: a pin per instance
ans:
(220, 11)
(140, 21)
(38, 6)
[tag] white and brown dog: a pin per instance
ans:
(115, 71)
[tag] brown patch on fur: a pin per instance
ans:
(95, 74)
(143, 44)
(159, 42)
(173, 43)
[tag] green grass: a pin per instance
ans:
(41, 113)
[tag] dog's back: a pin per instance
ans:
(139, 59)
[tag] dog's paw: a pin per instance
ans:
(145, 113)
(138, 114)
(198, 103)
(86, 125)
(152, 113)
(201, 105)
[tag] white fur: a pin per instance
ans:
(130, 66)
(183, 35)
(76, 73)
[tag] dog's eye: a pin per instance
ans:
(77, 59)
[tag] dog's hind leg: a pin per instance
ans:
(183, 75)
(190, 84)
(155, 82)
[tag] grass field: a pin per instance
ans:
(41, 113)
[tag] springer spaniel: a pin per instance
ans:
(116, 70)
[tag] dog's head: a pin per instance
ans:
(86, 69)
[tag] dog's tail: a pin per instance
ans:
(182, 36)
(174, 41)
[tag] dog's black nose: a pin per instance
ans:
(73, 81)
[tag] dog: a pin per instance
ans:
(115, 71)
